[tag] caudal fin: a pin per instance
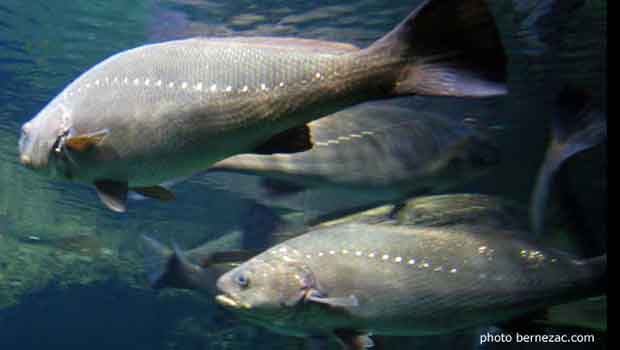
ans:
(168, 268)
(448, 48)
(577, 126)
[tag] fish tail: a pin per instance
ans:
(576, 127)
(169, 268)
(446, 48)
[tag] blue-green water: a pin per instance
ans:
(70, 271)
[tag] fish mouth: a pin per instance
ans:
(229, 302)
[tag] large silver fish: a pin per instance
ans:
(200, 267)
(376, 147)
(349, 280)
(168, 110)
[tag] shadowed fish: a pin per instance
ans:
(352, 279)
(168, 110)
(577, 126)
(376, 147)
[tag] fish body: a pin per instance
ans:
(377, 147)
(397, 280)
(171, 109)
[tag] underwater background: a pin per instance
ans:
(71, 274)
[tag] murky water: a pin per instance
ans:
(71, 273)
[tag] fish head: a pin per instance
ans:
(42, 139)
(266, 287)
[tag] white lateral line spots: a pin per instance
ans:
(159, 83)
(385, 257)
(228, 88)
(321, 144)
(147, 82)
(136, 81)
(97, 82)
(281, 84)
(126, 80)
(332, 252)
(345, 252)
(367, 132)
(453, 270)
(198, 87)
(263, 87)
(358, 253)
(371, 255)
(184, 85)
(411, 262)
(321, 254)
(335, 142)
(398, 259)
(88, 85)
(171, 84)
(356, 136)
(343, 138)
(245, 88)
(213, 88)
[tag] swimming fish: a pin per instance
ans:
(376, 147)
(198, 268)
(577, 126)
(195, 269)
(168, 110)
(348, 281)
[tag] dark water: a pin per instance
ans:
(62, 292)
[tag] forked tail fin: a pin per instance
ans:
(449, 48)
(576, 127)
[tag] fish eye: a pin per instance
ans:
(242, 280)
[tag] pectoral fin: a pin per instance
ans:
(156, 192)
(83, 143)
(289, 141)
(113, 194)
(316, 297)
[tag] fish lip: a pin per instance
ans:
(229, 301)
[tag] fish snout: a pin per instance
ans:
(25, 160)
